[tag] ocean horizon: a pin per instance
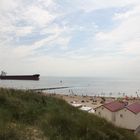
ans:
(92, 86)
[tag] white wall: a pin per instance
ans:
(122, 118)
(127, 119)
(105, 113)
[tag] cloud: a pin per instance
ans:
(127, 34)
(91, 5)
(71, 37)
(38, 16)
(9, 5)
(49, 41)
(23, 31)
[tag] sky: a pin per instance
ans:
(70, 37)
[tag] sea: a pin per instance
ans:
(91, 86)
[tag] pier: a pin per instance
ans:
(52, 88)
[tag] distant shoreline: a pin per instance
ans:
(79, 86)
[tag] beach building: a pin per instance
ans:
(109, 110)
(129, 117)
(121, 114)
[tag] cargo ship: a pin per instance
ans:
(3, 76)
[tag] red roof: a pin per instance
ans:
(115, 106)
(135, 108)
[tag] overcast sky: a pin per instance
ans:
(70, 37)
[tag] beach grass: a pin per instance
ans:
(27, 115)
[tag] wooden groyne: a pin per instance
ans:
(52, 88)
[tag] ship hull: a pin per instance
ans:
(20, 77)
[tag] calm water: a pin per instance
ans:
(80, 86)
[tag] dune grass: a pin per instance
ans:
(26, 115)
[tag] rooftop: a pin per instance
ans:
(114, 106)
(135, 107)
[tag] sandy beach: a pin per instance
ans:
(88, 101)
(91, 101)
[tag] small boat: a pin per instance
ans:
(3, 76)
